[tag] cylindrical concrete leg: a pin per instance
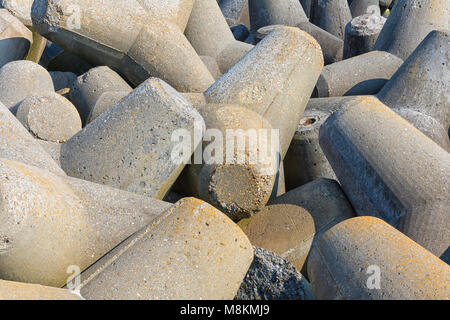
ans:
(391, 170)
(366, 259)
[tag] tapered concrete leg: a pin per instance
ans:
(361, 75)
(233, 10)
(272, 81)
(49, 223)
(178, 256)
(361, 34)
(389, 169)
(10, 290)
(332, 16)
(409, 23)
(305, 160)
(37, 48)
(361, 7)
(130, 148)
(290, 224)
(366, 259)
(125, 40)
(210, 35)
(418, 91)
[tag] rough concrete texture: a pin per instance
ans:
(331, 15)
(361, 7)
(62, 80)
(21, 9)
(270, 277)
(238, 188)
(53, 149)
(49, 117)
(361, 34)
(235, 12)
(91, 85)
(17, 144)
(361, 75)
(212, 66)
(391, 170)
(123, 37)
(128, 147)
(21, 79)
(49, 222)
(15, 38)
(210, 35)
(275, 80)
(290, 13)
(344, 262)
(291, 222)
(409, 23)
(419, 90)
(305, 160)
(10, 290)
(105, 102)
(272, 12)
(178, 256)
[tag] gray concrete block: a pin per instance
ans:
(361, 34)
(21, 79)
(391, 170)
(418, 91)
(361, 75)
(49, 117)
(128, 147)
(332, 16)
(291, 223)
(270, 277)
(50, 222)
(366, 259)
(123, 37)
(210, 35)
(409, 23)
(91, 85)
(235, 11)
(17, 144)
(361, 7)
(305, 160)
(178, 256)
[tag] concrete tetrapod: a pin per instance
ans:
(128, 147)
(91, 85)
(210, 35)
(290, 13)
(21, 79)
(17, 144)
(239, 166)
(361, 75)
(361, 34)
(10, 290)
(305, 160)
(105, 102)
(418, 91)
(138, 38)
(192, 251)
(409, 23)
(391, 170)
(290, 223)
(15, 38)
(365, 258)
(331, 15)
(361, 7)
(50, 222)
(275, 80)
